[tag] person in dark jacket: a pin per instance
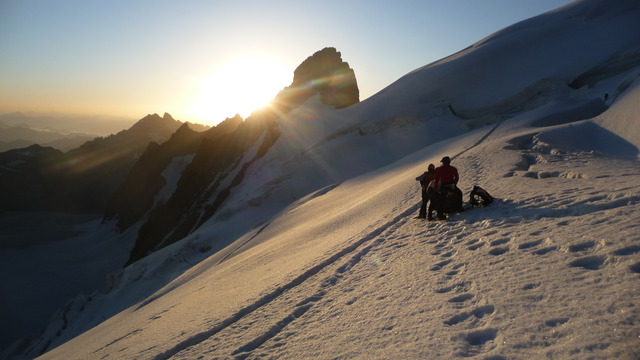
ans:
(425, 179)
(446, 180)
(435, 202)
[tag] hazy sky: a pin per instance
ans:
(134, 57)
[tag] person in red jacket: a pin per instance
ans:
(445, 181)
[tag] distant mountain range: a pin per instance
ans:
(39, 178)
(121, 175)
(59, 131)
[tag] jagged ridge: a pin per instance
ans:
(221, 160)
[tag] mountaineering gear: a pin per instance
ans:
(480, 197)
(451, 198)
(445, 182)
(435, 203)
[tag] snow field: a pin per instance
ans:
(512, 280)
(521, 278)
(548, 270)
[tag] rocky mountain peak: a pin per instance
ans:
(322, 73)
(153, 122)
(326, 73)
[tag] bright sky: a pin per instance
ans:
(203, 60)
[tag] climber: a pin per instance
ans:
(425, 179)
(445, 182)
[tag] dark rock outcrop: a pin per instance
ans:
(136, 195)
(200, 190)
(29, 179)
(322, 73)
(325, 72)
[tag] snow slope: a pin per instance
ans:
(550, 270)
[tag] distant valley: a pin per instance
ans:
(59, 131)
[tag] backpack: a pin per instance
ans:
(480, 197)
(425, 179)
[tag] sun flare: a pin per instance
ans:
(239, 87)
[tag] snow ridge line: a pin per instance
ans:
(243, 244)
(305, 305)
(160, 294)
(319, 192)
(480, 141)
(243, 351)
(266, 299)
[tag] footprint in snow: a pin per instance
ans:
(530, 244)
(480, 337)
(452, 273)
(530, 286)
(556, 322)
(460, 238)
(440, 265)
(455, 269)
(499, 250)
(447, 254)
(499, 241)
(457, 287)
(629, 250)
(461, 298)
(584, 246)
(545, 250)
(590, 262)
(476, 342)
(478, 313)
(441, 250)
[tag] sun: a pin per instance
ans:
(240, 87)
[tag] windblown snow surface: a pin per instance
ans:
(550, 270)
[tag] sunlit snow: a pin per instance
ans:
(325, 258)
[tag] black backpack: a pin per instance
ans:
(480, 197)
